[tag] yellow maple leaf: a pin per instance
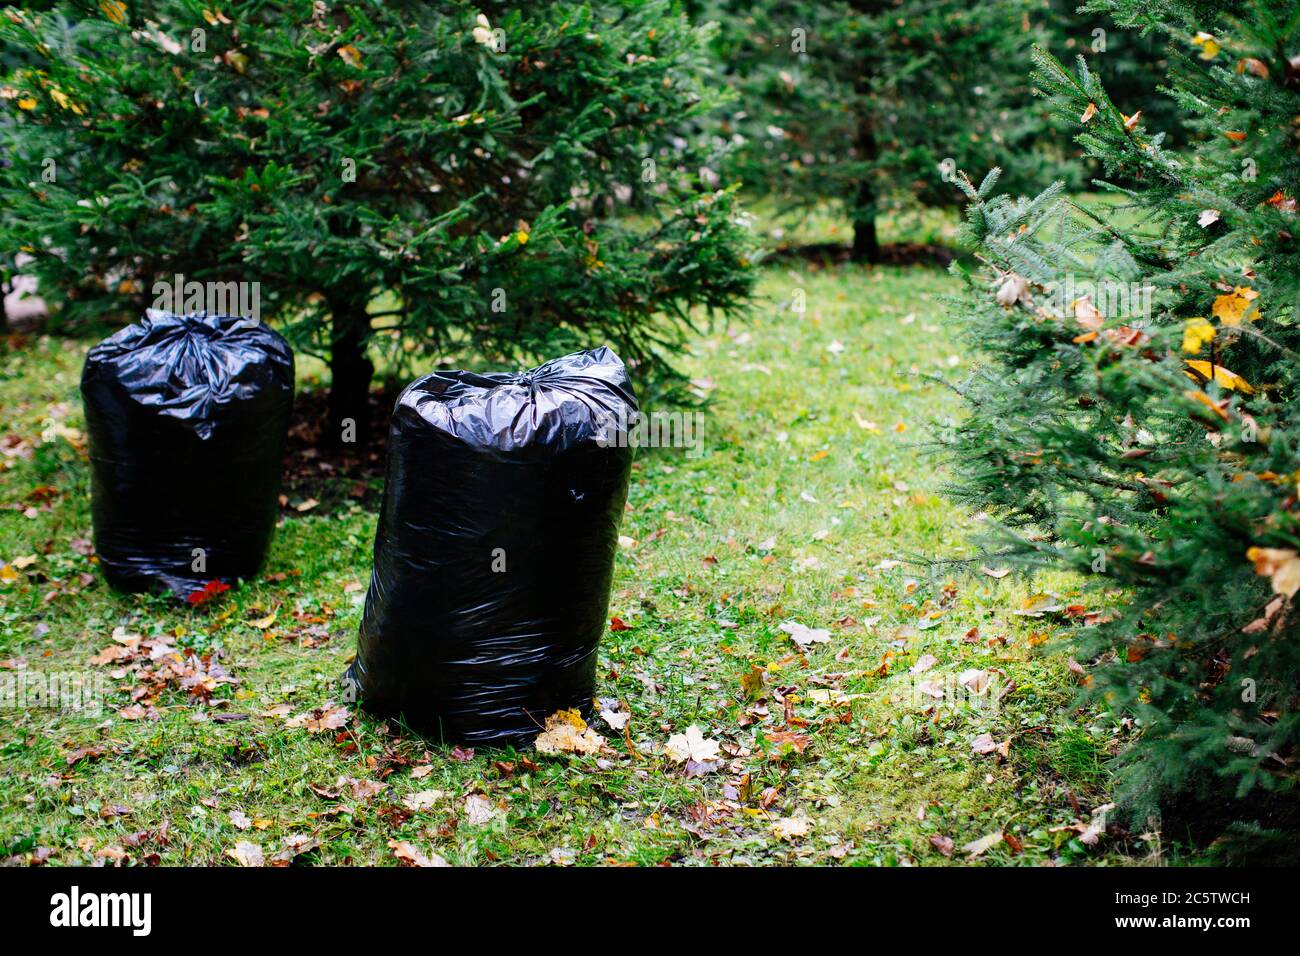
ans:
(1231, 307)
(567, 732)
(1196, 333)
(1225, 378)
(27, 103)
(351, 56)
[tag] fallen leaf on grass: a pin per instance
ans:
(422, 800)
(262, 623)
(1089, 833)
(942, 843)
(924, 663)
(614, 712)
(984, 744)
(786, 741)
(567, 732)
(112, 654)
(114, 853)
(363, 789)
(480, 810)
(752, 682)
(983, 844)
(931, 688)
(239, 820)
(803, 636)
(84, 753)
(692, 745)
(294, 845)
(328, 716)
(247, 854)
(208, 593)
(409, 855)
(790, 828)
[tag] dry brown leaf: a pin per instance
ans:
(326, 717)
(409, 855)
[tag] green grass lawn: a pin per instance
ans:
(816, 502)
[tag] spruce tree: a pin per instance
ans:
(431, 179)
(874, 105)
(1135, 417)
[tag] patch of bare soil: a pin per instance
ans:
(833, 253)
(322, 476)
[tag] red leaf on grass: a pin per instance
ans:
(210, 591)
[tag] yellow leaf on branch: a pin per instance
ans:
(1209, 46)
(114, 10)
(1205, 371)
(1196, 333)
(1232, 307)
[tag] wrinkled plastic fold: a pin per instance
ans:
(187, 418)
(495, 548)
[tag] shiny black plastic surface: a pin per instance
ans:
(495, 547)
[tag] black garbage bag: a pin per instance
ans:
(187, 418)
(495, 548)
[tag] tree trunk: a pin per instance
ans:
(350, 373)
(866, 244)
